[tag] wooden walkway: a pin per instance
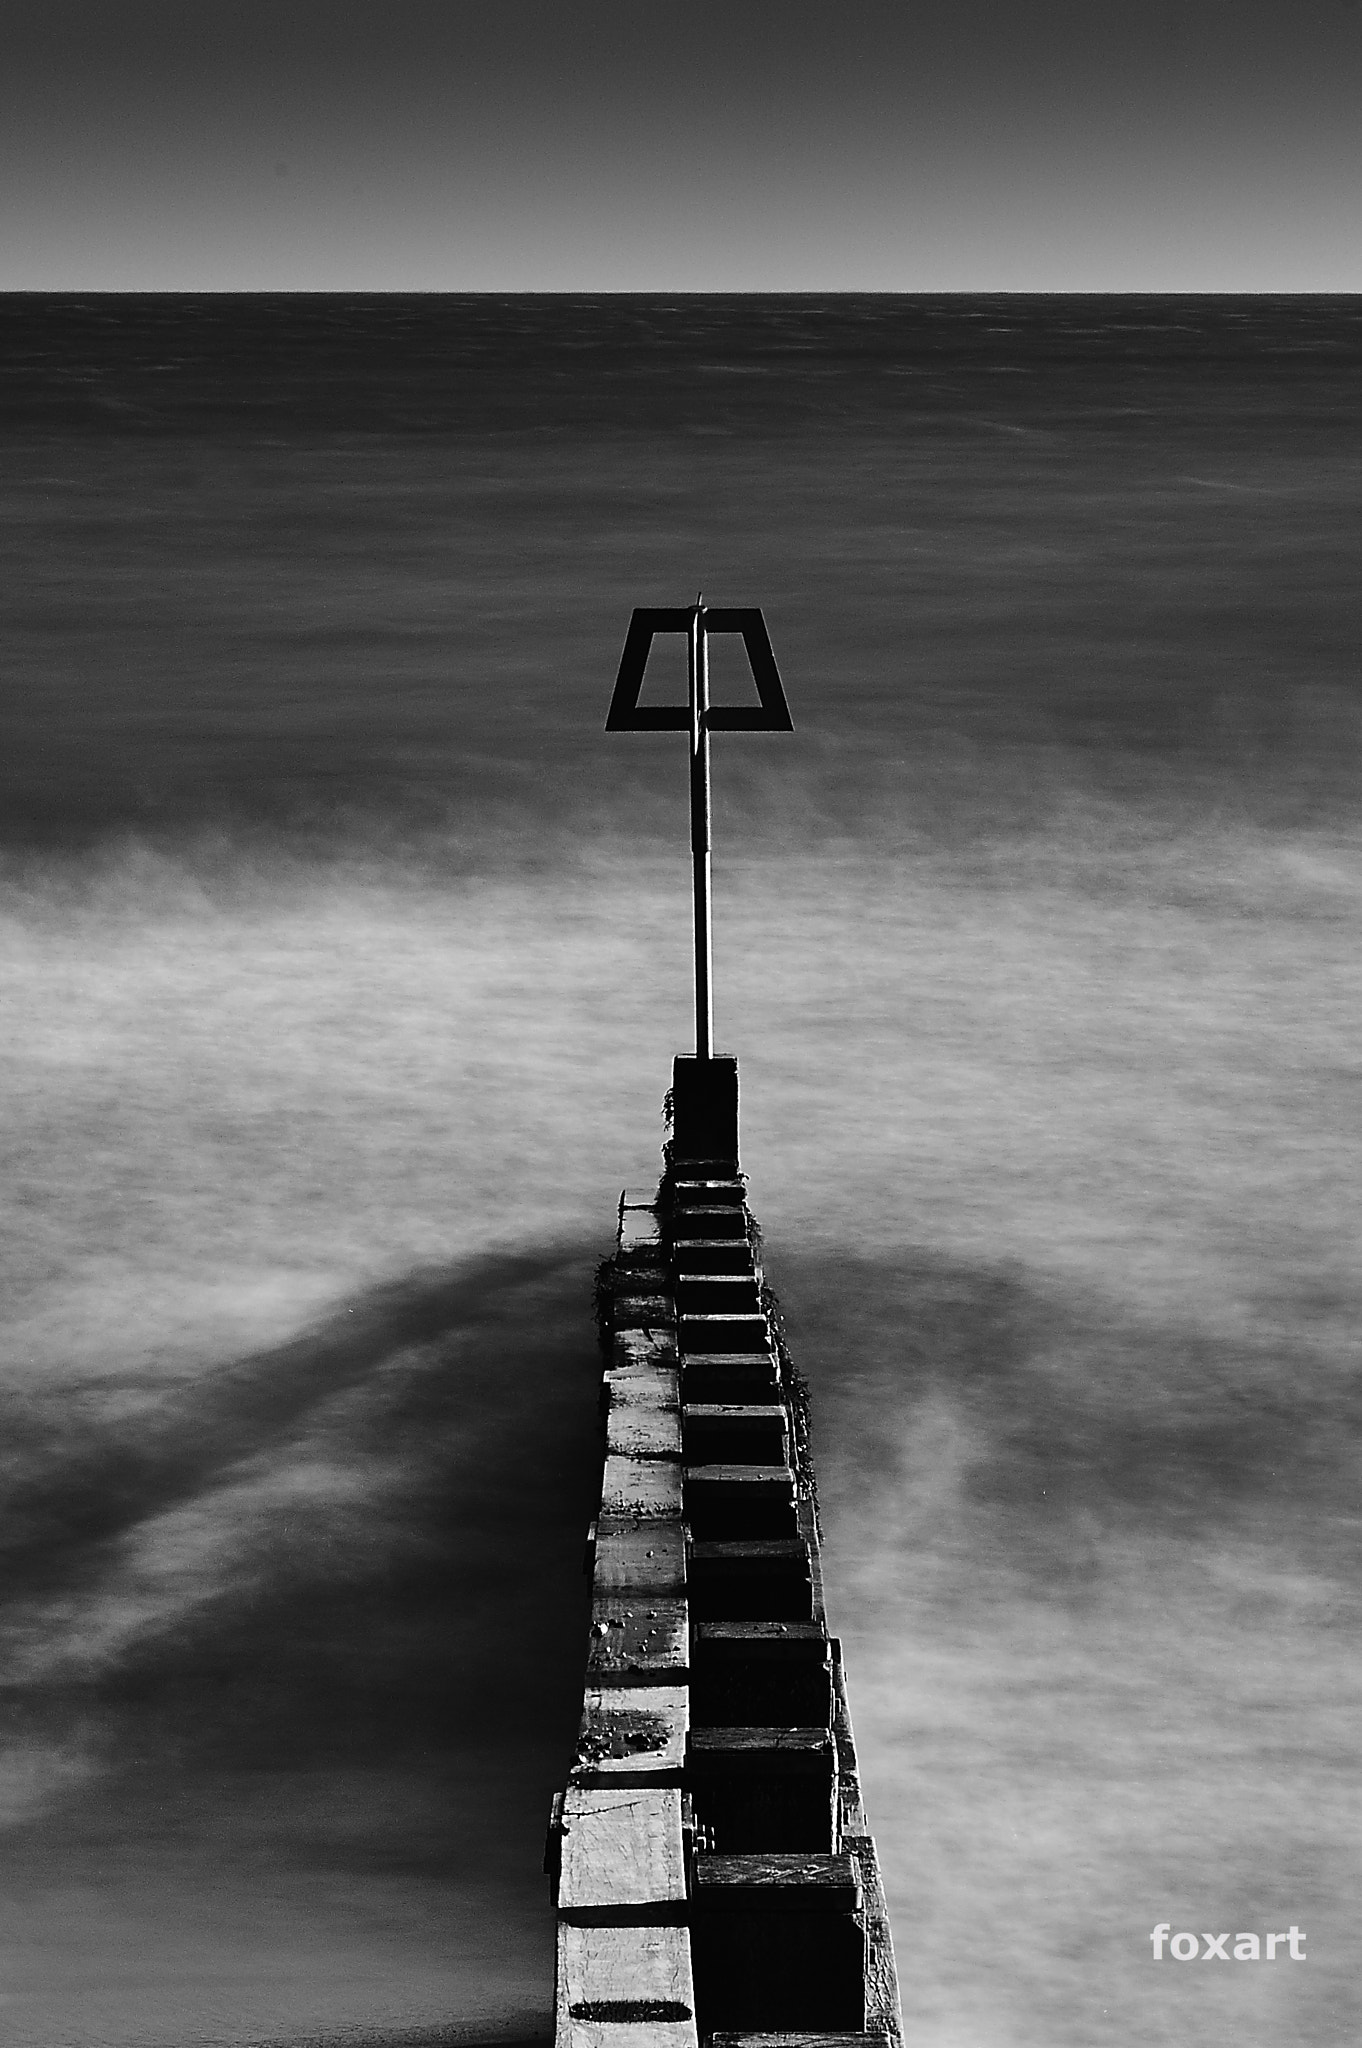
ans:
(712, 1866)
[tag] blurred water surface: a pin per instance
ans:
(345, 960)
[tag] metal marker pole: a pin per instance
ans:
(699, 830)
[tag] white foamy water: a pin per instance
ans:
(1057, 1149)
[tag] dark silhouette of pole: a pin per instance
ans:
(699, 832)
(698, 718)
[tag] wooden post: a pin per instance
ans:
(713, 1870)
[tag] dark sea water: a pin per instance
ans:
(345, 957)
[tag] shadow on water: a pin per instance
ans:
(296, 1653)
(309, 1630)
(1070, 1406)
(82, 1477)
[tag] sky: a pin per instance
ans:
(534, 145)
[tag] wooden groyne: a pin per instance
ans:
(712, 1867)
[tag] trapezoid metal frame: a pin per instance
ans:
(771, 713)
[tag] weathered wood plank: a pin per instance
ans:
(883, 2013)
(719, 1293)
(779, 1750)
(790, 1883)
(774, 1639)
(606, 1973)
(640, 1423)
(738, 1414)
(640, 1231)
(633, 1733)
(750, 1478)
(636, 1642)
(853, 1813)
(740, 1361)
(808, 1528)
(645, 1384)
(641, 1273)
(641, 1489)
(622, 1861)
(744, 1377)
(776, 1550)
(633, 1348)
(869, 2039)
(639, 1311)
(702, 1219)
(639, 1558)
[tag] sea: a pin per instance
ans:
(345, 956)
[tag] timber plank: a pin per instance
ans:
(641, 1489)
(705, 1220)
(753, 1750)
(776, 1639)
(809, 1530)
(633, 1348)
(638, 1311)
(746, 1361)
(869, 2039)
(640, 1273)
(773, 1550)
(754, 1414)
(645, 1384)
(715, 1255)
(633, 1733)
(622, 1861)
(883, 2013)
(854, 1820)
(640, 1231)
(770, 1883)
(642, 1427)
(638, 1642)
(639, 1558)
(749, 1478)
(613, 1971)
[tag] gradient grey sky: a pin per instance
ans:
(1180, 145)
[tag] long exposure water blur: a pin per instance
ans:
(345, 960)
